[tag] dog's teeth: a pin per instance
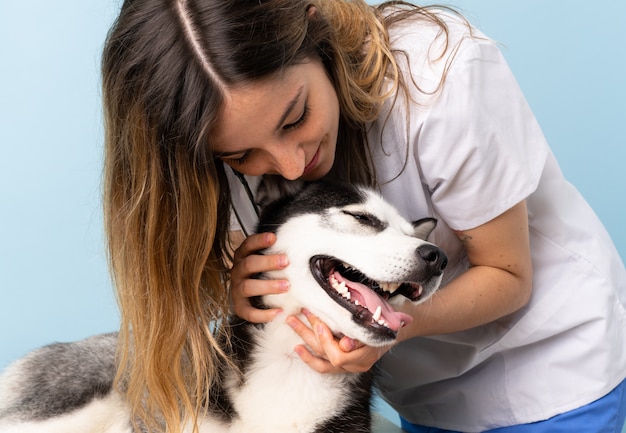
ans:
(346, 295)
(389, 287)
(356, 303)
(377, 313)
(341, 287)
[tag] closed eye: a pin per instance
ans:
(238, 160)
(301, 120)
(367, 219)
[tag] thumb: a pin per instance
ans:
(348, 344)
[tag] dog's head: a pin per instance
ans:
(351, 258)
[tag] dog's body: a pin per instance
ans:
(348, 251)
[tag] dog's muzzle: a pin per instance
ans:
(367, 299)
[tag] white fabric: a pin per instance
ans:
(475, 150)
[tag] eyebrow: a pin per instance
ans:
(289, 108)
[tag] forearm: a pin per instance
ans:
(480, 295)
(498, 283)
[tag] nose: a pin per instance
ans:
(289, 160)
(434, 258)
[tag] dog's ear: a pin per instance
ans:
(273, 188)
(424, 227)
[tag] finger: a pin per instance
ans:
(257, 263)
(359, 359)
(305, 333)
(348, 344)
(326, 344)
(244, 289)
(316, 363)
(255, 315)
(241, 292)
(254, 243)
(323, 334)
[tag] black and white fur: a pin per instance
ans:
(342, 241)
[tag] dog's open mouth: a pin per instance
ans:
(364, 298)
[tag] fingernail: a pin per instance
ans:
(267, 238)
(283, 261)
(284, 286)
(299, 350)
(291, 323)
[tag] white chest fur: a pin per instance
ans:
(281, 393)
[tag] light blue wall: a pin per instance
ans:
(569, 58)
(54, 281)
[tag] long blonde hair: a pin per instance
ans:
(165, 67)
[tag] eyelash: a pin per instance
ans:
(300, 121)
(242, 159)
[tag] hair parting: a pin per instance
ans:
(192, 37)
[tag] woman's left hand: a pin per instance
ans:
(328, 354)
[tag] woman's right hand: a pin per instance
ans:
(246, 263)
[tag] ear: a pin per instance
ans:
(273, 188)
(424, 227)
(313, 13)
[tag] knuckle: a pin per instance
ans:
(247, 288)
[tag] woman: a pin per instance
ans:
(527, 333)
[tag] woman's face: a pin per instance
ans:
(286, 125)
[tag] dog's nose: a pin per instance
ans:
(434, 257)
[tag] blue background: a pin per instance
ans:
(569, 58)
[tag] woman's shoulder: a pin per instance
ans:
(437, 30)
(426, 46)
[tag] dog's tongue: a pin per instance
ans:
(367, 297)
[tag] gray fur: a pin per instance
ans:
(58, 378)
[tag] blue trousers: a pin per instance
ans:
(606, 415)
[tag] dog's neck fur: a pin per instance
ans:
(267, 355)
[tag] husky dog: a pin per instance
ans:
(352, 256)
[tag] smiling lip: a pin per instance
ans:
(311, 165)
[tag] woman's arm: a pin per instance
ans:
(498, 282)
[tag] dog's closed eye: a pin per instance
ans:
(367, 219)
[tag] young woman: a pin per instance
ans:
(527, 334)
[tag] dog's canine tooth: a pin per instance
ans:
(341, 287)
(377, 313)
